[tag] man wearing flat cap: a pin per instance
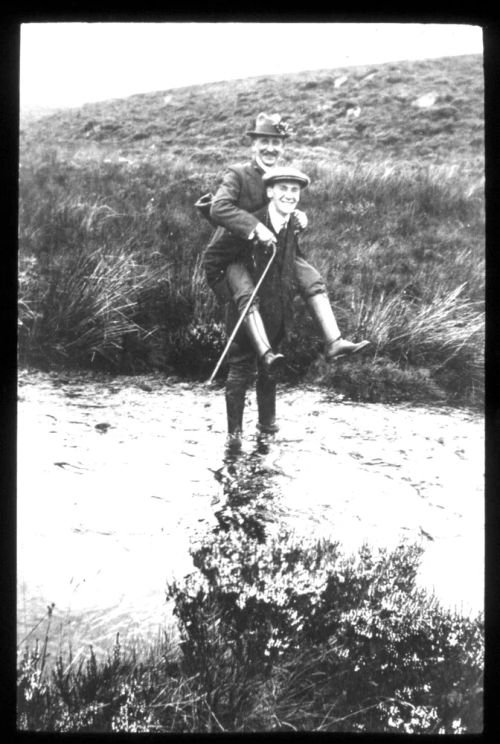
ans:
(240, 210)
(267, 321)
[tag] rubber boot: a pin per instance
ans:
(266, 404)
(271, 363)
(335, 345)
(236, 388)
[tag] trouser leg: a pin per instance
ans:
(309, 280)
(242, 286)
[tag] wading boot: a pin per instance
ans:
(233, 444)
(270, 362)
(266, 405)
(235, 405)
(335, 346)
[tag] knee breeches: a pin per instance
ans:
(241, 285)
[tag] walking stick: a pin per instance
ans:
(242, 316)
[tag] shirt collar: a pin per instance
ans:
(277, 219)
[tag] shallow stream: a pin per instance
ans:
(116, 475)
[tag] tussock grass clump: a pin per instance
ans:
(88, 310)
(378, 380)
(103, 274)
(402, 250)
(111, 253)
(423, 334)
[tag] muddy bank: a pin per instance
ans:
(116, 475)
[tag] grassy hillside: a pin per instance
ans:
(110, 244)
(207, 123)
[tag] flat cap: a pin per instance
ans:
(285, 174)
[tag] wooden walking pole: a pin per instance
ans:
(242, 316)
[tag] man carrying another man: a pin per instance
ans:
(233, 263)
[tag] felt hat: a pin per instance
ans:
(285, 174)
(269, 125)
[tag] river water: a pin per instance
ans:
(116, 475)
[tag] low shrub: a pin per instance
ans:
(278, 633)
(377, 381)
(291, 633)
(195, 349)
(116, 694)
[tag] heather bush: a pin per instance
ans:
(278, 632)
(288, 632)
(116, 694)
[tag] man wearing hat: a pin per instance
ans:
(239, 208)
(267, 322)
(233, 208)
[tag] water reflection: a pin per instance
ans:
(250, 491)
(256, 582)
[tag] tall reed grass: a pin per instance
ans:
(110, 264)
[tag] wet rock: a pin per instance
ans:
(352, 112)
(102, 427)
(426, 101)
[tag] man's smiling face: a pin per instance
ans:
(284, 195)
(268, 149)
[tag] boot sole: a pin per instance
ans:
(347, 353)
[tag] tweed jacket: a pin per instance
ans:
(278, 289)
(241, 192)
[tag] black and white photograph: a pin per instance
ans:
(250, 378)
